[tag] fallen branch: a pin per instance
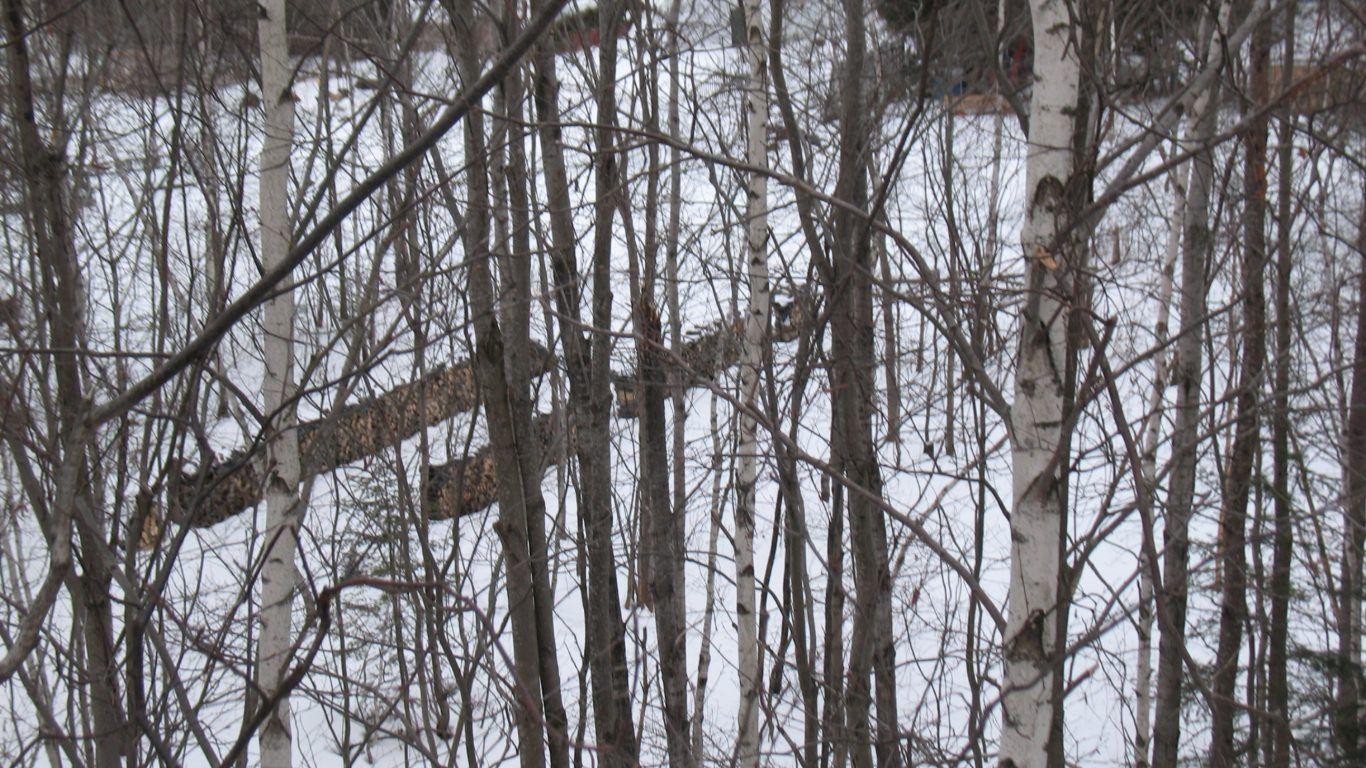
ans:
(209, 495)
(717, 348)
(456, 488)
(470, 485)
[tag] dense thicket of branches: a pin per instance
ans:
(800, 383)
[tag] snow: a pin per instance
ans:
(353, 526)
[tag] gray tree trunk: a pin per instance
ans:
(1143, 687)
(871, 649)
(1196, 246)
(506, 400)
(63, 295)
(1348, 719)
(1233, 611)
(669, 512)
(1277, 686)
(709, 596)
(590, 395)
(525, 360)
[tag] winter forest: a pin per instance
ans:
(686, 383)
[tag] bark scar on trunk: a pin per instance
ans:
(1028, 642)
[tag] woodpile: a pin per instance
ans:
(717, 347)
(979, 104)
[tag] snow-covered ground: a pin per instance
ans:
(354, 524)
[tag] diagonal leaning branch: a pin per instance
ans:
(211, 494)
(468, 486)
(718, 347)
(460, 487)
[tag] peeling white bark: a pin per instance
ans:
(279, 577)
(751, 360)
(1037, 413)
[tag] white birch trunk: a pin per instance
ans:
(1037, 414)
(751, 361)
(279, 577)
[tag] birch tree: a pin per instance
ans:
(284, 512)
(755, 112)
(1032, 656)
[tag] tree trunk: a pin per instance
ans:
(709, 597)
(1277, 688)
(506, 398)
(662, 537)
(751, 362)
(1196, 246)
(664, 526)
(590, 395)
(611, 686)
(1247, 438)
(525, 360)
(1151, 440)
(669, 514)
(871, 649)
(835, 744)
(63, 296)
(1032, 651)
(284, 513)
(1348, 718)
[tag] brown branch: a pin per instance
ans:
(456, 488)
(470, 485)
(209, 495)
(717, 348)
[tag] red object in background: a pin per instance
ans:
(1019, 61)
(584, 39)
